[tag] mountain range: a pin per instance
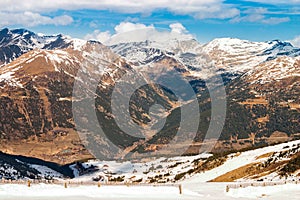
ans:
(38, 74)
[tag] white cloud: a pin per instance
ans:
(261, 19)
(259, 10)
(99, 36)
(275, 20)
(178, 28)
(249, 18)
(197, 8)
(128, 26)
(255, 18)
(93, 24)
(259, 15)
(217, 12)
(30, 19)
(288, 2)
(296, 41)
(123, 27)
(136, 32)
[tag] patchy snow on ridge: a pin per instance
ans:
(8, 77)
(273, 70)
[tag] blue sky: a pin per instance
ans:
(257, 20)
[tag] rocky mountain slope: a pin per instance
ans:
(48, 81)
(37, 99)
(261, 78)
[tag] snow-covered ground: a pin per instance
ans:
(288, 191)
(168, 168)
(207, 191)
(44, 191)
(194, 187)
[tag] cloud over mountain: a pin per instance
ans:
(125, 30)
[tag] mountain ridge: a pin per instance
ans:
(36, 92)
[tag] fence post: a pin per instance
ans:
(28, 183)
(99, 185)
(66, 185)
(180, 189)
(227, 188)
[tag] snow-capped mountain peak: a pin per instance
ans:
(14, 43)
(280, 48)
(242, 55)
(234, 45)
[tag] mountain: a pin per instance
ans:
(230, 57)
(59, 90)
(14, 43)
(187, 52)
(261, 81)
(242, 55)
(280, 48)
(38, 102)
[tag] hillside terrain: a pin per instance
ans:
(55, 90)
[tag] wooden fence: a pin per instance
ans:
(259, 184)
(70, 183)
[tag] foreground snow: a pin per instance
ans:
(44, 191)
(195, 187)
(207, 191)
(288, 191)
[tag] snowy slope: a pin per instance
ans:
(164, 170)
(144, 171)
(235, 161)
(12, 168)
(274, 70)
(242, 55)
(193, 188)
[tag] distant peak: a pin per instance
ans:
(279, 42)
(5, 30)
(229, 40)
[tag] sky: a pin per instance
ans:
(255, 20)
